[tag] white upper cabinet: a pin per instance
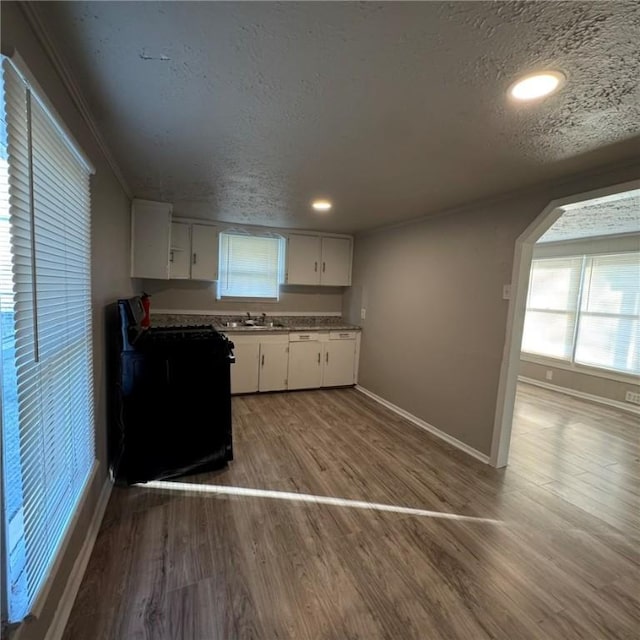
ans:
(204, 252)
(336, 262)
(180, 253)
(319, 260)
(303, 259)
(194, 252)
(150, 239)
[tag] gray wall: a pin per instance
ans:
(435, 324)
(110, 268)
(195, 296)
(583, 381)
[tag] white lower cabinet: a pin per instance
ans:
(305, 365)
(296, 360)
(245, 370)
(339, 361)
(274, 362)
(261, 363)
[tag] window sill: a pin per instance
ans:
(248, 300)
(581, 369)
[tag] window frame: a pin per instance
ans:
(60, 134)
(282, 258)
(570, 364)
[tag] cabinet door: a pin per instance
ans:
(303, 259)
(305, 365)
(150, 236)
(274, 363)
(204, 252)
(180, 254)
(336, 262)
(244, 372)
(339, 363)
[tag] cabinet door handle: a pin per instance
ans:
(170, 256)
(318, 357)
(326, 357)
(324, 264)
(315, 267)
(263, 360)
(195, 258)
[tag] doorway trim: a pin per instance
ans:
(523, 254)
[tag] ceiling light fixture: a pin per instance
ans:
(537, 85)
(321, 205)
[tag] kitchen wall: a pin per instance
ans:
(110, 274)
(584, 380)
(201, 296)
(435, 324)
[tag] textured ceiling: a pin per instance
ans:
(246, 111)
(612, 215)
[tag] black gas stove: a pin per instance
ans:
(171, 398)
(185, 332)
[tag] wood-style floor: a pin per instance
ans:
(548, 548)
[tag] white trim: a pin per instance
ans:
(31, 14)
(426, 426)
(505, 400)
(213, 312)
(580, 369)
(581, 394)
(61, 615)
(64, 605)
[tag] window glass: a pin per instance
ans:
(250, 266)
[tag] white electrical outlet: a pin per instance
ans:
(632, 396)
(549, 374)
(363, 314)
(506, 292)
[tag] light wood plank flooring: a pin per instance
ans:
(548, 548)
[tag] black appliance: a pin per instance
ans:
(170, 404)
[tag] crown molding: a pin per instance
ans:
(30, 11)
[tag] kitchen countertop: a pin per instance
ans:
(287, 323)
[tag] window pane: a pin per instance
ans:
(554, 284)
(612, 285)
(250, 266)
(611, 343)
(548, 333)
(45, 302)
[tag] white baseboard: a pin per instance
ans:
(61, 616)
(426, 426)
(616, 404)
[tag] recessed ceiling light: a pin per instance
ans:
(537, 85)
(321, 205)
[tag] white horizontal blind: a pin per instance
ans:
(49, 212)
(552, 304)
(250, 266)
(609, 326)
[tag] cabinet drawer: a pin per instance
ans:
(342, 335)
(304, 336)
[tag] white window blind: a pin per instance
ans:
(586, 310)
(250, 266)
(47, 403)
(551, 307)
(609, 327)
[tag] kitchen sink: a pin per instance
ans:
(245, 325)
